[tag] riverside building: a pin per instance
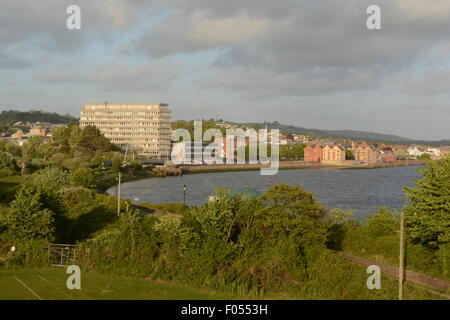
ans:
(145, 128)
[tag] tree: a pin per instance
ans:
(10, 148)
(424, 156)
(51, 179)
(46, 150)
(292, 151)
(427, 218)
(349, 155)
(61, 136)
(7, 161)
(92, 139)
(382, 223)
(294, 212)
(75, 135)
(83, 177)
(401, 154)
(97, 161)
(27, 218)
(31, 147)
(49, 182)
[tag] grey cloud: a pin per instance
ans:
(153, 75)
(303, 46)
(315, 57)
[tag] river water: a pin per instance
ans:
(361, 191)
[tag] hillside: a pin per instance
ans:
(12, 116)
(347, 134)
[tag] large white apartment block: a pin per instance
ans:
(145, 128)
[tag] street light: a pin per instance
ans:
(184, 194)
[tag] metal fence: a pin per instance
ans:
(62, 255)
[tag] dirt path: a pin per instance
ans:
(410, 276)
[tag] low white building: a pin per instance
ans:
(415, 151)
(434, 152)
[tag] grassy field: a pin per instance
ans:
(50, 284)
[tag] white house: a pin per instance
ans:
(414, 151)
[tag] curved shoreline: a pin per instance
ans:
(284, 165)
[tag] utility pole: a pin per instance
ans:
(118, 193)
(184, 194)
(22, 168)
(120, 177)
(402, 259)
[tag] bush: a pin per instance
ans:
(7, 162)
(6, 172)
(175, 208)
(83, 177)
(128, 247)
(28, 254)
(27, 218)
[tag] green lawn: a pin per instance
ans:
(50, 284)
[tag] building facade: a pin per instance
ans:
(388, 155)
(333, 153)
(145, 128)
(37, 132)
(313, 153)
(365, 153)
(194, 153)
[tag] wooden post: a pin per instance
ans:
(401, 257)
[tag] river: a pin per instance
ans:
(361, 191)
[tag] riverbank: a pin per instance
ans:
(109, 180)
(291, 165)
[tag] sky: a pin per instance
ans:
(310, 63)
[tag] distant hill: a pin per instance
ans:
(347, 134)
(12, 116)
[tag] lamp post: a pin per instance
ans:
(184, 194)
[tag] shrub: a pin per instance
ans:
(27, 218)
(83, 177)
(28, 254)
(6, 172)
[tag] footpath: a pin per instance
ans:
(410, 276)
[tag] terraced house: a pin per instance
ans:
(333, 153)
(365, 153)
(313, 153)
(145, 128)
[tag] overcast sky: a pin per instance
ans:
(308, 63)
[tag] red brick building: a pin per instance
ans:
(388, 155)
(313, 154)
